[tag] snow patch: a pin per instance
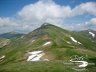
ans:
(47, 43)
(68, 42)
(2, 57)
(84, 63)
(35, 52)
(91, 33)
(79, 43)
(74, 40)
(36, 55)
(45, 24)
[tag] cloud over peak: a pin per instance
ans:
(44, 11)
(33, 15)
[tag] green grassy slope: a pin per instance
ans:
(57, 52)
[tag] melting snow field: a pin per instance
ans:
(93, 35)
(74, 40)
(47, 43)
(35, 55)
(2, 57)
(84, 63)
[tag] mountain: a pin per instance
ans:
(11, 35)
(47, 47)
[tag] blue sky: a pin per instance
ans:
(27, 15)
(13, 6)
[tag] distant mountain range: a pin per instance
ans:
(10, 35)
(46, 47)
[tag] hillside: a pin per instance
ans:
(47, 47)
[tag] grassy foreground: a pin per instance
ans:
(35, 67)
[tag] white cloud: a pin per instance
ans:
(41, 11)
(33, 15)
(89, 7)
(7, 21)
(93, 21)
(76, 26)
(91, 24)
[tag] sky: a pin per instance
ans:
(27, 15)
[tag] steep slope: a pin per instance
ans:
(46, 43)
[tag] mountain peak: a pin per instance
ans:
(45, 24)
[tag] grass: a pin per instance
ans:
(35, 67)
(15, 60)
